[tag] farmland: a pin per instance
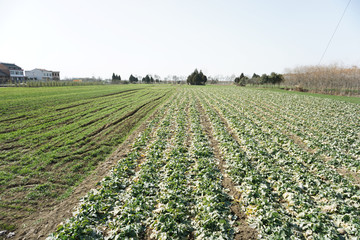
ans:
(209, 163)
(51, 138)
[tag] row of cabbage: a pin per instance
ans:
(175, 193)
(213, 219)
(191, 202)
(286, 192)
(136, 208)
(328, 127)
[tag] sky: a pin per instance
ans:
(88, 38)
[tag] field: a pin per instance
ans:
(51, 138)
(206, 163)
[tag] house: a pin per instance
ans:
(16, 73)
(42, 74)
(4, 77)
(55, 75)
(4, 74)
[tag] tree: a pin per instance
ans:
(116, 78)
(148, 79)
(133, 79)
(264, 78)
(255, 75)
(241, 81)
(196, 78)
(275, 78)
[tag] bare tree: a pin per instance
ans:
(332, 79)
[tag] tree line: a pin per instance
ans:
(197, 77)
(273, 78)
(116, 79)
(329, 79)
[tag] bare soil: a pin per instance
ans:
(352, 176)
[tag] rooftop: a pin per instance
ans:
(43, 70)
(11, 66)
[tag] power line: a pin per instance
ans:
(337, 26)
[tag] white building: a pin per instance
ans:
(42, 74)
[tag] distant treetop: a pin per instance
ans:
(115, 78)
(133, 79)
(148, 79)
(196, 78)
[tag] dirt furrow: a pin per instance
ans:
(117, 93)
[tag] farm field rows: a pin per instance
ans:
(232, 163)
(214, 162)
(52, 138)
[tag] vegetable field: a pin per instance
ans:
(51, 138)
(210, 163)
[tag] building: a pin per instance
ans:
(4, 77)
(4, 74)
(42, 75)
(16, 73)
(55, 75)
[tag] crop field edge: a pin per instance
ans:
(259, 141)
(35, 223)
(148, 108)
(349, 99)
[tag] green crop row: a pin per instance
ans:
(326, 127)
(286, 192)
(49, 151)
(122, 190)
(176, 192)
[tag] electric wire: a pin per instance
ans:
(337, 26)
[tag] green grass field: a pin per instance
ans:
(51, 138)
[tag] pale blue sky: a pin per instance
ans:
(96, 38)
